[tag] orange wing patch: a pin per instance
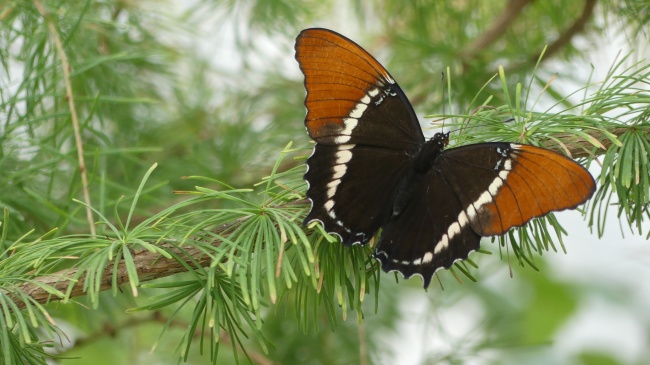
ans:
(539, 182)
(338, 75)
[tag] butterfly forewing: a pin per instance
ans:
(512, 183)
(366, 132)
(351, 188)
(351, 98)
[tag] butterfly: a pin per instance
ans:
(372, 168)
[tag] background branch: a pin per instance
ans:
(110, 329)
(510, 12)
(563, 40)
(69, 96)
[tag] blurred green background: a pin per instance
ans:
(211, 88)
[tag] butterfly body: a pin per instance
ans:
(372, 168)
(416, 174)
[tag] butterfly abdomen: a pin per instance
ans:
(405, 190)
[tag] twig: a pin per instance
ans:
(363, 348)
(111, 330)
(73, 112)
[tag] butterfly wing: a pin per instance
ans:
(473, 191)
(351, 98)
(426, 236)
(351, 192)
(366, 132)
(517, 183)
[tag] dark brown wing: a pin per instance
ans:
(351, 190)
(366, 133)
(473, 191)
(427, 236)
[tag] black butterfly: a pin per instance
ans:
(372, 168)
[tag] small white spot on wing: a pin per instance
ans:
(498, 165)
(357, 112)
(350, 124)
(331, 187)
(453, 230)
(471, 212)
(485, 198)
(463, 219)
(329, 205)
(341, 139)
(494, 186)
(428, 257)
(343, 157)
(443, 244)
(507, 166)
(333, 183)
(339, 171)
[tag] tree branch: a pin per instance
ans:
(564, 39)
(511, 11)
(151, 265)
(500, 25)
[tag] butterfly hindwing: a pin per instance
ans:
(427, 235)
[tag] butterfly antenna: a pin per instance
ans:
(444, 100)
